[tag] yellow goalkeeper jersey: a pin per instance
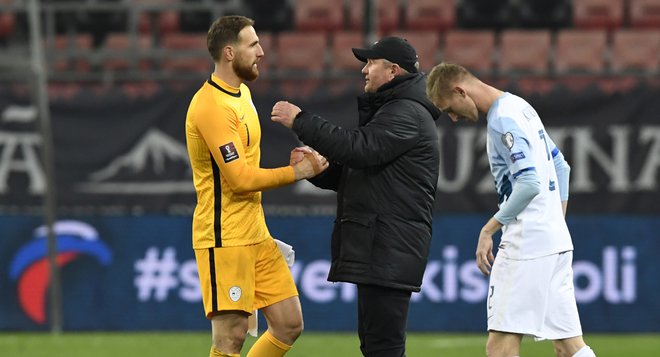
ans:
(223, 135)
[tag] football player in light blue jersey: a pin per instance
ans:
(531, 288)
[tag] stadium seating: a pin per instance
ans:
(426, 44)
(341, 56)
(543, 14)
(68, 53)
(7, 21)
(645, 13)
(120, 52)
(318, 15)
(635, 50)
(388, 15)
(301, 51)
(437, 15)
(195, 21)
(471, 49)
(485, 14)
(157, 17)
(525, 51)
(538, 42)
(607, 14)
(580, 51)
(185, 53)
(300, 62)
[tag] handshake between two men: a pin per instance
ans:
(306, 161)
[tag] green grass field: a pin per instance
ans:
(171, 344)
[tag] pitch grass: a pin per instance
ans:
(311, 344)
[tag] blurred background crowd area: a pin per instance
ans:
(536, 43)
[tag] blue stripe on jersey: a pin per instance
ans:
(555, 152)
(523, 170)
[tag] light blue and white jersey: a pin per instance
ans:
(517, 142)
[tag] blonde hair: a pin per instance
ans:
(442, 78)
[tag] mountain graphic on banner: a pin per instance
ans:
(146, 169)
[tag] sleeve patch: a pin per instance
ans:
(517, 156)
(507, 140)
(229, 152)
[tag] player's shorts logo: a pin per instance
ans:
(235, 293)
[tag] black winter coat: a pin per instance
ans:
(385, 172)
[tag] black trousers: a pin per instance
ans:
(382, 318)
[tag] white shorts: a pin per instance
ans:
(534, 297)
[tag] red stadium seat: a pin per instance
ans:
(388, 15)
(156, 17)
(118, 49)
(607, 14)
(342, 58)
(635, 50)
(525, 51)
(186, 53)
(325, 15)
(345, 68)
(436, 15)
(472, 49)
(70, 52)
(580, 51)
(645, 13)
(300, 61)
(7, 24)
(301, 51)
(426, 44)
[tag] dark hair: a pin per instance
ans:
(224, 31)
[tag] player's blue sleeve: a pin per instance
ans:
(525, 188)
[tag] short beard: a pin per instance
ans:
(245, 73)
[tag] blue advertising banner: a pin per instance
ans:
(139, 273)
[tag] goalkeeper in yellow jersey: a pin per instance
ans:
(240, 266)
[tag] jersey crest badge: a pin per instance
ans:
(235, 293)
(507, 140)
(229, 152)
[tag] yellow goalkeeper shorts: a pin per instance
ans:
(244, 278)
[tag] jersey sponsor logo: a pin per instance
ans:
(507, 140)
(235, 293)
(229, 152)
(517, 156)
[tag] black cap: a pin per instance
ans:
(394, 49)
